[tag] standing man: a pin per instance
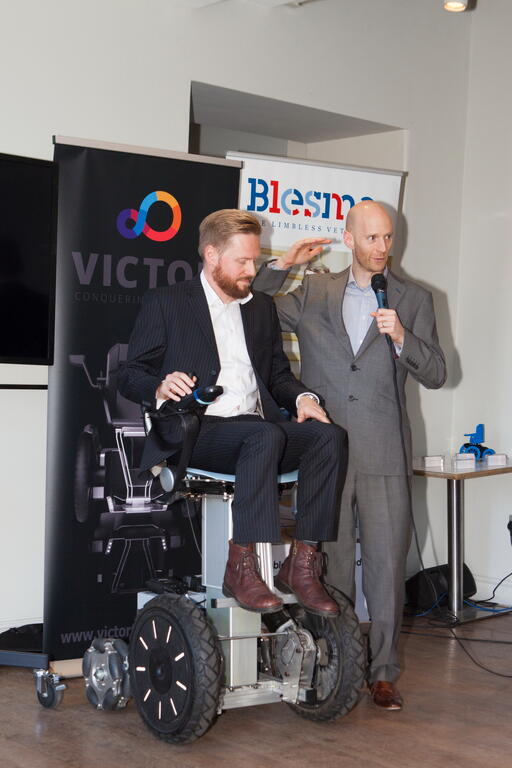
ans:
(345, 358)
(213, 330)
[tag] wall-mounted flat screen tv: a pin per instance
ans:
(28, 225)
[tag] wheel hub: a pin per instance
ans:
(160, 670)
(105, 670)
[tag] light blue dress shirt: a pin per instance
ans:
(357, 305)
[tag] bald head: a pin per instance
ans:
(368, 233)
(363, 211)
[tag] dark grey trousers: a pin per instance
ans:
(379, 504)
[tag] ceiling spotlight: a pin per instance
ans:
(456, 6)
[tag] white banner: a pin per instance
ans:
(295, 199)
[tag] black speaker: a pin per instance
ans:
(425, 587)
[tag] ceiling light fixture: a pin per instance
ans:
(456, 6)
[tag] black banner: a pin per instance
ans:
(127, 222)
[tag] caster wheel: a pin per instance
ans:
(52, 691)
(105, 670)
(175, 668)
(340, 665)
(51, 699)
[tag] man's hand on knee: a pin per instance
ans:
(307, 408)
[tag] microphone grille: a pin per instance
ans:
(379, 282)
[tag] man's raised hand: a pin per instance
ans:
(302, 251)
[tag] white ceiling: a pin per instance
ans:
(268, 3)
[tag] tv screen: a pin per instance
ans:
(28, 219)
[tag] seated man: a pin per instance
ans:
(216, 328)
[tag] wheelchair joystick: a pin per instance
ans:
(197, 401)
(201, 397)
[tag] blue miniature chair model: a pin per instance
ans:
(474, 445)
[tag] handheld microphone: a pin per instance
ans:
(380, 285)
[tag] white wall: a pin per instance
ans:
(22, 447)
(388, 150)
(121, 72)
(215, 141)
(483, 327)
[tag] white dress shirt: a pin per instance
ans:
(236, 372)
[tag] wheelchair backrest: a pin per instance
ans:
(119, 410)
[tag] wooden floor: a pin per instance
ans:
(455, 715)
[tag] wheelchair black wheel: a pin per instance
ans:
(175, 668)
(340, 665)
(87, 450)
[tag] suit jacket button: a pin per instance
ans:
(354, 367)
(352, 398)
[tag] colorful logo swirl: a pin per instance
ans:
(140, 218)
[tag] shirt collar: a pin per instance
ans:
(214, 299)
(352, 281)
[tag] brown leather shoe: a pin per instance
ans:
(242, 580)
(385, 695)
(300, 574)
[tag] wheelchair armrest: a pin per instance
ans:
(168, 423)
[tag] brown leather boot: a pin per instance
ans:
(242, 580)
(300, 574)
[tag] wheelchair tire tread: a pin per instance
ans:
(348, 692)
(207, 662)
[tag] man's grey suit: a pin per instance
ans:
(359, 395)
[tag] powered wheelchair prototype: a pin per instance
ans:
(194, 653)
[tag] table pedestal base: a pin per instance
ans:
(472, 613)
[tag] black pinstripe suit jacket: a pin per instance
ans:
(174, 332)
